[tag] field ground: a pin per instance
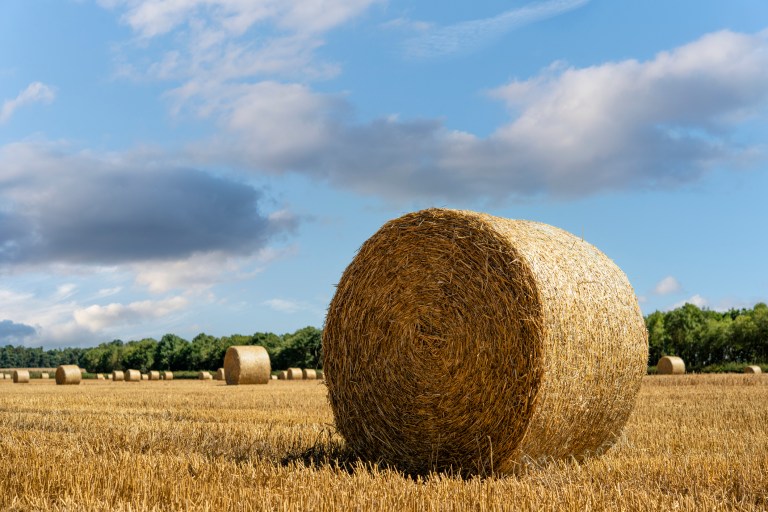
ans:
(694, 442)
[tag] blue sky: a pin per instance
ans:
(213, 165)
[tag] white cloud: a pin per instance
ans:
(290, 306)
(696, 300)
(96, 318)
(36, 92)
(667, 286)
(466, 36)
(65, 291)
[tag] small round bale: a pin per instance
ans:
(204, 376)
(308, 374)
(294, 374)
(20, 376)
(99, 376)
(118, 375)
(167, 375)
(273, 377)
(460, 341)
(220, 374)
(282, 375)
(154, 375)
(670, 365)
(45, 375)
(132, 376)
(68, 374)
(247, 364)
(144, 376)
(753, 369)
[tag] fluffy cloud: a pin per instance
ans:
(36, 92)
(60, 206)
(97, 318)
(696, 300)
(12, 332)
(667, 286)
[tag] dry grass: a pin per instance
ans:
(692, 443)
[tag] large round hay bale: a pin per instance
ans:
(247, 364)
(118, 375)
(204, 376)
(459, 340)
(753, 369)
(154, 375)
(294, 374)
(220, 374)
(282, 375)
(20, 376)
(670, 365)
(167, 375)
(68, 374)
(132, 376)
(308, 374)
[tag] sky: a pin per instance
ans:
(188, 166)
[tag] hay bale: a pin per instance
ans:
(154, 375)
(753, 369)
(99, 376)
(167, 375)
(670, 365)
(246, 364)
(540, 333)
(220, 375)
(282, 375)
(204, 376)
(68, 374)
(144, 376)
(294, 374)
(45, 375)
(117, 375)
(132, 376)
(308, 374)
(20, 376)
(273, 377)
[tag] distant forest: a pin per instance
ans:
(706, 340)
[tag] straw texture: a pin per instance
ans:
(294, 374)
(68, 374)
(247, 364)
(132, 376)
(219, 374)
(167, 375)
(458, 340)
(20, 376)
(670, 365)
(308, 374)
(154, 375)
(753, 369)
(118, 375)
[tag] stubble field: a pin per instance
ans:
(693, 442)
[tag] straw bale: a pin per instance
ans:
(273, 377)
(540, 332)
(154, 375)
(282, 375)
(670, 365)
(144, 376)
(753, 369)
(246, 364)
(68, 374)
(20, 376)
(118, 375)
(294, 374)
(308, 374)
(204, 376)
(167, 375)
(45, 375)
(132, 376)
(99, 376)
(219, 374)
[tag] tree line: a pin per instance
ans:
(205, 352)
(703, 338)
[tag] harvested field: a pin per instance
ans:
(693, 442)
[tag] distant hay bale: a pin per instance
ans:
(68, 374)
(167, 375)
(308, 374)
(246, 364)
(753, 369)
(273, 377)
(118, 375)
(204, 376)
(282, 375)
(20, 376)
(45, 375)
(144, 376)
(294, 374)
(99, 376)
(132, 376)
(219, 374)
(670, 365)
(462, 341)
(154, 375)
